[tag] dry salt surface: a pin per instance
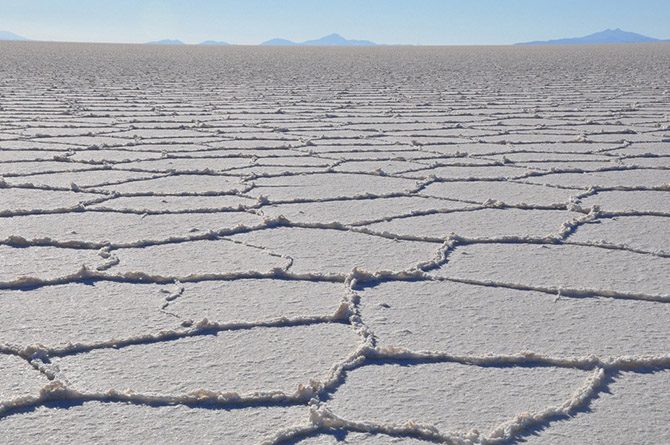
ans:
(323, 246)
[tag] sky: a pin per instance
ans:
(417, 22)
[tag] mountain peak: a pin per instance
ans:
(606, 37)
(6, 35)
(279, 42)
(333, 39)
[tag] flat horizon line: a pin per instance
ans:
(377, 45)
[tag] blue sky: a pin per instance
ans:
(426, 22)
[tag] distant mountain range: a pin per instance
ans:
(606, 37)
(6, 35)
(329, 40)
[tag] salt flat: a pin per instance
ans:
(326, 245)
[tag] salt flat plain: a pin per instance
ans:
(320, 246)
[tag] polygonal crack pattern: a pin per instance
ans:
(404, 245)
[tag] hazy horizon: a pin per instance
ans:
(426, 22)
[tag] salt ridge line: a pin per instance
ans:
(176, 154)
(362, 277)
(612, 246)
(416, 273)
(271, 223)
(561, 290)
(86, 274)
(110, 166)
(626, 363)
(187, 328)
(95, 188)
(275, 222)
(56, 391)
(324, 420)
(264, 202)
(230, 171)
(116, 194)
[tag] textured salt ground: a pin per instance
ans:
(367, 439)
(46, 262)
(230, 301)
(28, 155)
(207, 152)
(113, 155)
(81, 313)
(467, 319)
(611, 178)
(25, 199)
(560, 266)
(111, 423)
(121, 228)
(175, 203)
(337, 251)
(27, 168)
(619, 137)
(159, 149)
(357, 211)
(392, 152)
(179, 260)
(239, 205)
(549, 156)
(180, 184)
(568, 165)
(527, 138)
(164, 165)
(471, 149)
(264, 170)
(656, 148)
(88, 178)
(252, 143)
(629, 201)
(660, 161)
(485, 223)
(451, 397)
(390, 166)
(18, 378)
(294, 160)
(647, 233)
(512, 193)
(633, 411)
(479, 172)
(328, 185)
(245, 361)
